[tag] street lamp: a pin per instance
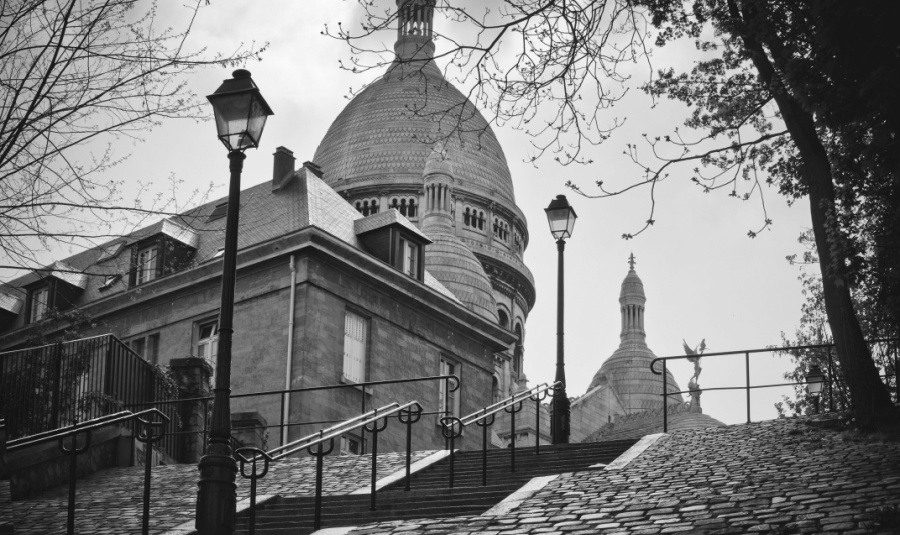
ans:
(241, 114)
(561, 217)
(815, 380)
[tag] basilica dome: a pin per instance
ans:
(375, 154)
(388, 130)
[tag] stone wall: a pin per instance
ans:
(42, 467)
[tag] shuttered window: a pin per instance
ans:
(356, 341)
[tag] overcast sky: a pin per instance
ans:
(704, 278)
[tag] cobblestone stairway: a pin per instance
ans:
(430, 495)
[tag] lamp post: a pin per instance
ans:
(815, 379)
(561, 217)
(241, 114)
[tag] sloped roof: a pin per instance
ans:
(265, 215)
(384, 219)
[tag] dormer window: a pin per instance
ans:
(168, 248)
(147, 264)
(40, 304)
(391, 238)
(409, 252)
(56, 287)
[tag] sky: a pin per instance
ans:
(703, 276)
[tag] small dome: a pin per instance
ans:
(454, 265)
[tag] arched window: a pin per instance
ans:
(480, 220)
(496, 394)
(367, 207)
(503, 318)
(517, 354)
(405, 205)
(467, 217)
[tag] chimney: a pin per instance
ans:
(283, 169)
(315, 169)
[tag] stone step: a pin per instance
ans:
(429, 495)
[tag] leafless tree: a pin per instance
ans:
(78, 75)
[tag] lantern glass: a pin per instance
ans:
(561, 218)
(240, 112)
(815, 380)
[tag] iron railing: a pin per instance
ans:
(374, 422)
(453, 427)
(150, 429)
(451, 384)
(43, 388)
(834, 377)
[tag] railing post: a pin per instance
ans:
(253, 476)
(830, 382)
(73, 452)
(512, 410)
(144, 434)
(375, 429)
(409, 416)
(537, 420)
(57, 385)
(319, 453)
(451, 432)
(747, 364)
(665, 397)
(484, 423)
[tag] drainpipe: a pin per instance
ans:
(286, 409)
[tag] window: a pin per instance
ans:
(208, 342)
(352, 445)
(109, 281)
(449, 401)
(146, 347)
(367, 207)
(147, 264)
(406, 206)
(410, 254)
(220, 211)
(356, 341)
(138, 345)
(40, 299)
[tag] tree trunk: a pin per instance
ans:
(869, 397)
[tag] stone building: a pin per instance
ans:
(398, 253)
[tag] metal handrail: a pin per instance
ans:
(89, 425)
(748, 387)
(504, 403)
(335, 431)
(453, 427)
(369, 421)
(144, 434)
(451, 382)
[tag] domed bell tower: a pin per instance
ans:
(415, 29)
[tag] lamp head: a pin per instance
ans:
(240, 110)
(561, 217)
(815, 380)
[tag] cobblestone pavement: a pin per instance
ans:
(110, 502)
(779, 477)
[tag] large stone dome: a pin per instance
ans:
(386, 133)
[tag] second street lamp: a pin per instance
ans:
(241, 113)
(561, 217)
(815, 379)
